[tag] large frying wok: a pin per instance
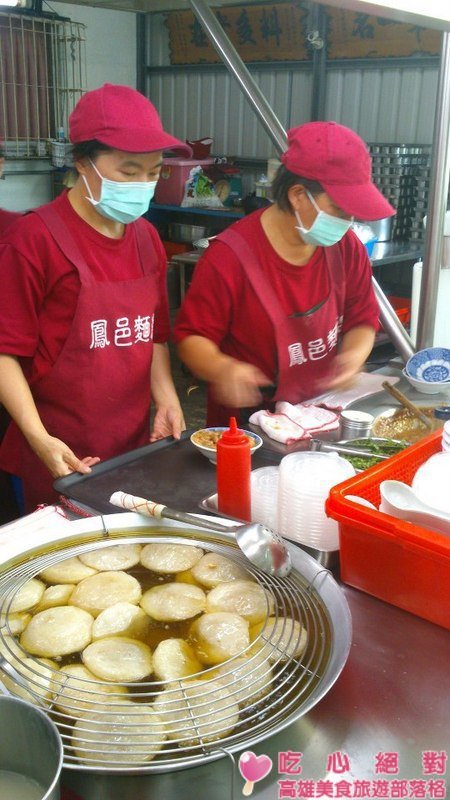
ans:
(309, 593)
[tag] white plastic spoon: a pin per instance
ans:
(399, 500)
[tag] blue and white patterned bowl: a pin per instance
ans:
(431, 365)
(426, 388)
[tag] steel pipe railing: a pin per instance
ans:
(236, 66)
(434, 235)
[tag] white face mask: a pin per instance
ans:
(326, 229)
(122, 201)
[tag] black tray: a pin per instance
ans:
(168, 471)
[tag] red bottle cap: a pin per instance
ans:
(234, 435)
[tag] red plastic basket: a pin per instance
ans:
(394, 560)
(402, 307)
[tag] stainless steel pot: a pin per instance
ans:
(309, 594)
(31, 752)
(382, 228)
(179, 232)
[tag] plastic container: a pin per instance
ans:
(233, 473)
(402, 307)
(305, 479)
(396, 561)
(264, 495)
(61, 154)
(174, 174)
(262, 187)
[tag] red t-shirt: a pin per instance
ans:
(37, 310)
(221, 305)
(6, 217)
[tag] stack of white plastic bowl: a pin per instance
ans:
(264, 494)
(304, 483)
(446, 437)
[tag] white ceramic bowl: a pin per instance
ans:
(210, 452)
(425, 387)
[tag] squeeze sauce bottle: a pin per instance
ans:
(233, 473)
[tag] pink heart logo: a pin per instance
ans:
(254, 768)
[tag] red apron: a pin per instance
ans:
(306, 343)
(96, 397)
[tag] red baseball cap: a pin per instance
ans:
(122, 118)
(339, 160)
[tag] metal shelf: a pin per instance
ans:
(211, 212)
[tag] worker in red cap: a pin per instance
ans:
(84, 325)
(6, 217)
(281, 305)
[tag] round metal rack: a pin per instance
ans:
(114, 733)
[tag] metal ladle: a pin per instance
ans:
(261, 545)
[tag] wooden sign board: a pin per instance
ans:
(259, 33)
(356, 35)
(278, 32)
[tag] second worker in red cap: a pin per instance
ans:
(281, 305)
(84, 323)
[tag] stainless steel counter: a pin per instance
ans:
(392, 697)
(395, 252)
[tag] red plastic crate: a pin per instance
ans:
(174, 248)
(391, 559)
(402, 307)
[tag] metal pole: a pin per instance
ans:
(141, 56)
(392, 325)
(232, 59)
(317, 42)
(236, 66)
(440, 168)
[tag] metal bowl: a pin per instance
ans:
(309, 594)
(179, 232)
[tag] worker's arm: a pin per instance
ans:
(234, 383)
(355, 347)
(16, 396)
(169, 419)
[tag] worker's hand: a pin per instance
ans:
(238, 385)
(346, 366)
(59, 458)
(169, 421)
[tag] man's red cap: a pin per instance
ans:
(339, 160)
(122, 118)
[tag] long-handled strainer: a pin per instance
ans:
(261, 545)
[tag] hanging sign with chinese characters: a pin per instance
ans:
(279, 31)
(259, 33)
(356, 35)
